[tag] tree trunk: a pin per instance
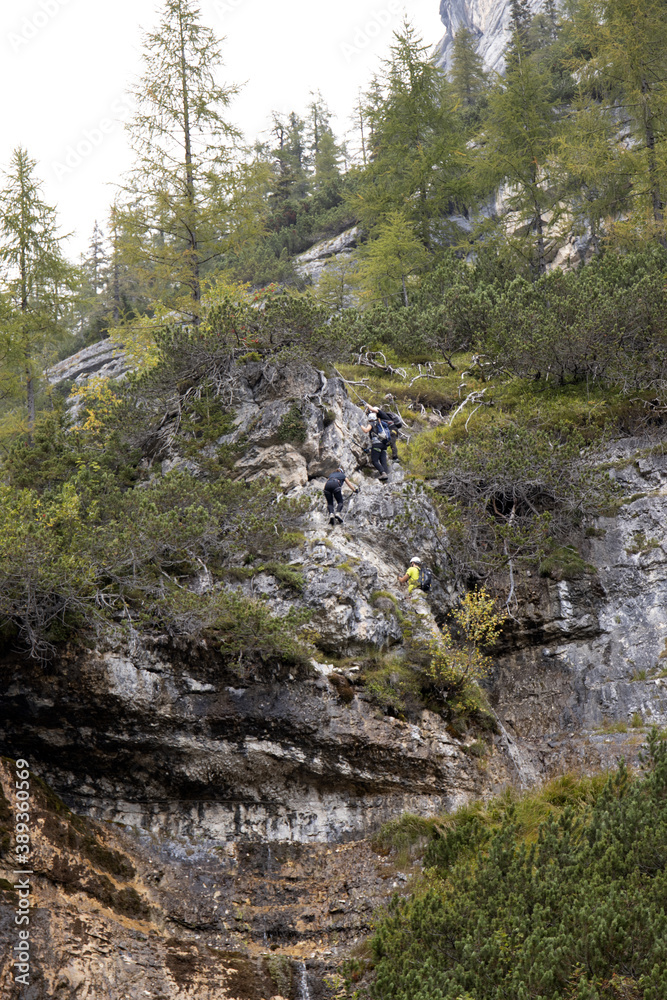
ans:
(649, 141)
(30, 401)
(539, 228)
(193, 252)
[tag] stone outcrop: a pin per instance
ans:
(105, 359)
(324, 432)
(118, 914)
(490, 23)
(314, 262)
(592, 651)
(227, 846)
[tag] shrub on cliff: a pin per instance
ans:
(509, 485)
(90, 552)
(577, 912)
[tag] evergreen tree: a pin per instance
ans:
(521, 17)
(291, 157)
(417, 147)
(93, 299)
(469, 80)
(324, 151)
(520, 140)
(37, 278)
(181, 142)
(625, 42)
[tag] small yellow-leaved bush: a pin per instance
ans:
(458, 661)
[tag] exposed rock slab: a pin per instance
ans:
(106, 358)
(598, 646)
(313, 262)
(181, 749)
(489, 21)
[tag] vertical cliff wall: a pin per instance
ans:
(488, 20)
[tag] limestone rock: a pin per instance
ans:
(313, 262)
(488, 20)
(282, 462)
(604, 637)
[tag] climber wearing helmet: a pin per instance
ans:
(333, 492)
(393, 422)
(380, 438)
(412, 575)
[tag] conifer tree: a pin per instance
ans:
(181, 141)
(520, 138)
(37, 278)
(93, 298)
(627, 44)
(290, 156)
(521, 17)
(324, 150)
(417, 148)
(469, 80)
(390, 260)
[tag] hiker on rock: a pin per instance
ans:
(393, 422)
(380, 437)
(417, 578)
(333, 493)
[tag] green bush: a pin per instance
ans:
(575, 910)
(292, 429)
(508, 490)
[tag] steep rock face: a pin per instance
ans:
(180, 749)
(264, 787)
(592, 651)
(122, 916)
(488, 20)
(325, 433)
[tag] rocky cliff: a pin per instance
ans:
(220, 838)
(488, 20)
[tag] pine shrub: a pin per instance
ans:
(576, 912)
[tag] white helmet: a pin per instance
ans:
(415, 559)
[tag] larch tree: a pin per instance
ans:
(469, 79)
(519, 143)
(38, 280)
(416, 146)
(625, 45)
(182, 144)
(387, 263)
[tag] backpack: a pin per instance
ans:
(425, 578)
(395, 419)
(381, 431)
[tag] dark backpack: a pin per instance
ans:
(395, 419)
(425, 579)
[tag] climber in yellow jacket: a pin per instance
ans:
(412, 575)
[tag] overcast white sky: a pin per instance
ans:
(65, 66)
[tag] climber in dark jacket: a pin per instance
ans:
(379, 441)
(393, 422)
(333, 491)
